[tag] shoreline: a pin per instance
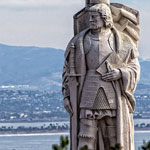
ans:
(66, 132)
(35, 134)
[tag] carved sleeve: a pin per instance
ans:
(65, 87)
(130, 75)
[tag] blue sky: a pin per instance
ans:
(49, 23)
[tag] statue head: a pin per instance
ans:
(100, 16)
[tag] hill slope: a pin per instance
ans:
(40, 67)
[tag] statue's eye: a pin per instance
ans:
(94, 16)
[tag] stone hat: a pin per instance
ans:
(98, 1)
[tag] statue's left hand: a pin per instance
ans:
(113, 75)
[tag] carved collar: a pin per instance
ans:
(100, 36)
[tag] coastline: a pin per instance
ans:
(49, 128)
(65, 132)
(35, 134)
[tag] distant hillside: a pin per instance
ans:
(34, 66)
(145, 72)
(42, 67)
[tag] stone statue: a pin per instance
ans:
(100, 75)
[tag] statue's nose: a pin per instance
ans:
(91, 19)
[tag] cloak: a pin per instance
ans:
(127, 51)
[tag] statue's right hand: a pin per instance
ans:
(67, 106)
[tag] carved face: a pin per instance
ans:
(96, 21)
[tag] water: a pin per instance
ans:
(45, 141)
(30, 142)
(140, 136)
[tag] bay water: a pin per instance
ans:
(45, 141)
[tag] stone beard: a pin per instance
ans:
(103, 62)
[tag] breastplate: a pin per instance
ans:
(92, 57)
(96, 50)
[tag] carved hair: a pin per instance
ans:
(105, 13)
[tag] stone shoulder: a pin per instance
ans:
(74, 40)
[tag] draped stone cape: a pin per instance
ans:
(125, 87)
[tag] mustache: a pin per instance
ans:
(93, 23)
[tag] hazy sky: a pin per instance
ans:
(49, 23)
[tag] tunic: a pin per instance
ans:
(97, 94)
